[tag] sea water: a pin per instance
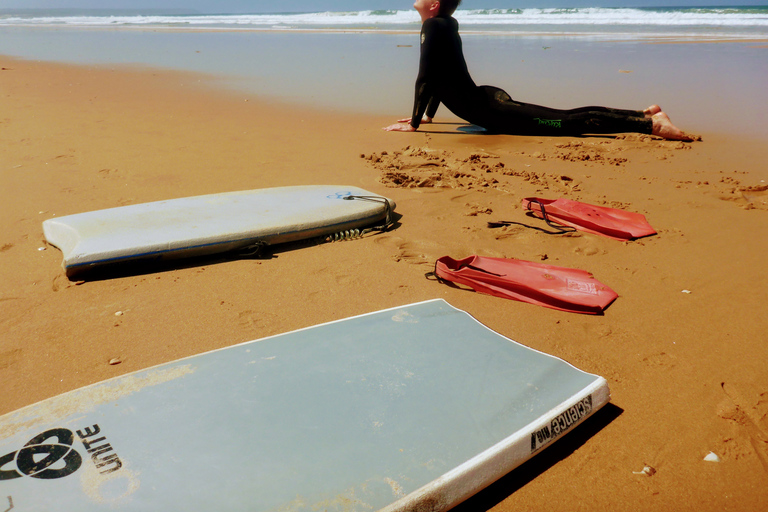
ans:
(706, 66)
(733, 21)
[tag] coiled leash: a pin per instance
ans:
(258, 249)
(357, 233)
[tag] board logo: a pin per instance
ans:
(561, 424)
(41, 458)
(581, 286)
(339, 195)
(51, 455)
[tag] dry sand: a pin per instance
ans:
(687, 371)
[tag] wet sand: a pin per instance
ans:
(686, 370)
(709, 86)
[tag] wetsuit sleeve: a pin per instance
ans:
(423, 105)
(432, 107)
(425, 100)
(420, 104)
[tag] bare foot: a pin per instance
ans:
(652, 110)
(664, 128)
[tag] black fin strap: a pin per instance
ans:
(562, 227)
(434, 274)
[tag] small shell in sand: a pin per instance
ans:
(647, 471)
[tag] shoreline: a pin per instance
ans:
(81, 138)
(600, 36)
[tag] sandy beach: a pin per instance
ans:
(683, 348)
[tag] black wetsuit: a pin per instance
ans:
(444, 78)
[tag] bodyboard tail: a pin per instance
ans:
(565, 289)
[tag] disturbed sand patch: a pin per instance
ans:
(749, 197)
(413, 167)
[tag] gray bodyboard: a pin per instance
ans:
(415, 406)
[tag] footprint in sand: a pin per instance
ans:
(9, 357)
(410, 251)
(749, 198)
(66, 158)
(758, 196)
(475, 210)
(588, 249)
(507, 231)
(750, 418)
(253, 320)
(661, 359)
(108, 173)
(345, 280)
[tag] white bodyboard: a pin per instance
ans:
(412, 408)
(210, 224)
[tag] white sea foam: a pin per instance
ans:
(662, 17)
(615, 16)
(323, 19)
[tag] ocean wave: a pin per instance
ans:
(255, 20)
(721, 17)
(617, 16)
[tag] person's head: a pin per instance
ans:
(431, 8)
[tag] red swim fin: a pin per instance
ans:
(566, 289)
(610, 222)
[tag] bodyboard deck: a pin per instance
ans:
(210, 224)
(414, 406)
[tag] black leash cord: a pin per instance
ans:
(378, 199)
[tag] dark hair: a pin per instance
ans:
(448, 7)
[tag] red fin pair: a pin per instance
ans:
(560, 288)
(610, 222)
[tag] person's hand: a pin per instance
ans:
(400, 127)
(424, 120)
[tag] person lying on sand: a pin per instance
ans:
(444, 78)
